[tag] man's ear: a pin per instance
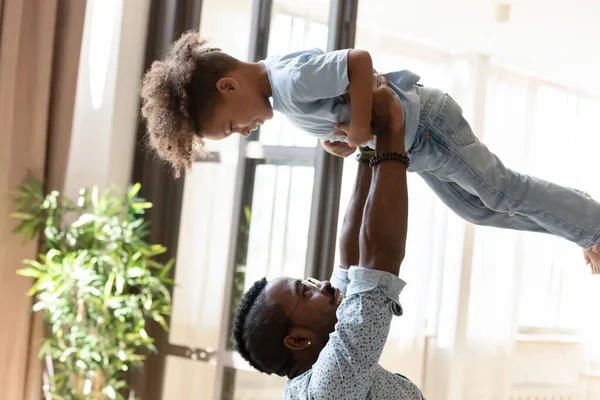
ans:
(227, 84)
(299, 339)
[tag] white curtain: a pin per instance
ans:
(524, 281)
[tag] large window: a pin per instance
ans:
(205, 234)
(277, 191)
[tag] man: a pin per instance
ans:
(329, 348)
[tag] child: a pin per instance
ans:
(199, 93)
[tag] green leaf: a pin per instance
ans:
(85, 219)
(141, 205)
(109, 285)
(120, 282)
(110, 392)
(33, 263)
(67, 353)
(157, 249)
(154, 264)
(120, 385)
(38, 306)
(137, 357)
(161, 320)
(135, 272)
(133, 190)
(31, 272)
(34, 289)
(168, 281)
(165, 271)
(52, 254)
(20, 215)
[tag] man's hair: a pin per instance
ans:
(258, 331)
(177, 93)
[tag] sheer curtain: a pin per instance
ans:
(524, 282)
(40, 45)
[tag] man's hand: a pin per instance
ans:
(388, 119)
(339, 149)
(386, 107)
(387, 111)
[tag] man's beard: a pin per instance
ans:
(331, 291)
(330, 320)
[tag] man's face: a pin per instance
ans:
(242, 109)
(309, 304)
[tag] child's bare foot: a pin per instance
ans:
(592, 256)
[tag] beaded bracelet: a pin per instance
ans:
(402, 157)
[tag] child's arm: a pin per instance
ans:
(360, 75)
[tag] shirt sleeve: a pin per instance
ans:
(339, 279)
(322, 76)
(350, 359)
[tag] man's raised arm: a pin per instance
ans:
(383, 232)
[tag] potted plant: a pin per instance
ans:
(97, 281)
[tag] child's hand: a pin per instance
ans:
(339, 149)
(359, 136)
(356, 136)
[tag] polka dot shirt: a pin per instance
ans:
(348, 367)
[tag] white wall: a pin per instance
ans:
(107, 102)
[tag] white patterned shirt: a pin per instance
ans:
(348, 366)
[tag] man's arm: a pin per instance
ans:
(383, 233)
(348, 240)
(349, 235)
(349, 362)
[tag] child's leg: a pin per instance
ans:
(450, 151)
(471, 209)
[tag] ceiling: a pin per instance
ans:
(557, 40)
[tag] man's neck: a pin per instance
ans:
(306, 361)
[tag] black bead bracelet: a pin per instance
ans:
(394, 156)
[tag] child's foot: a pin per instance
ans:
(592, 258)
(592, 255)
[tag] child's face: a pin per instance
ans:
(241, 110)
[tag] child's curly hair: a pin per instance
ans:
(178, 92)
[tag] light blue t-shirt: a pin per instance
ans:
(307, 87)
